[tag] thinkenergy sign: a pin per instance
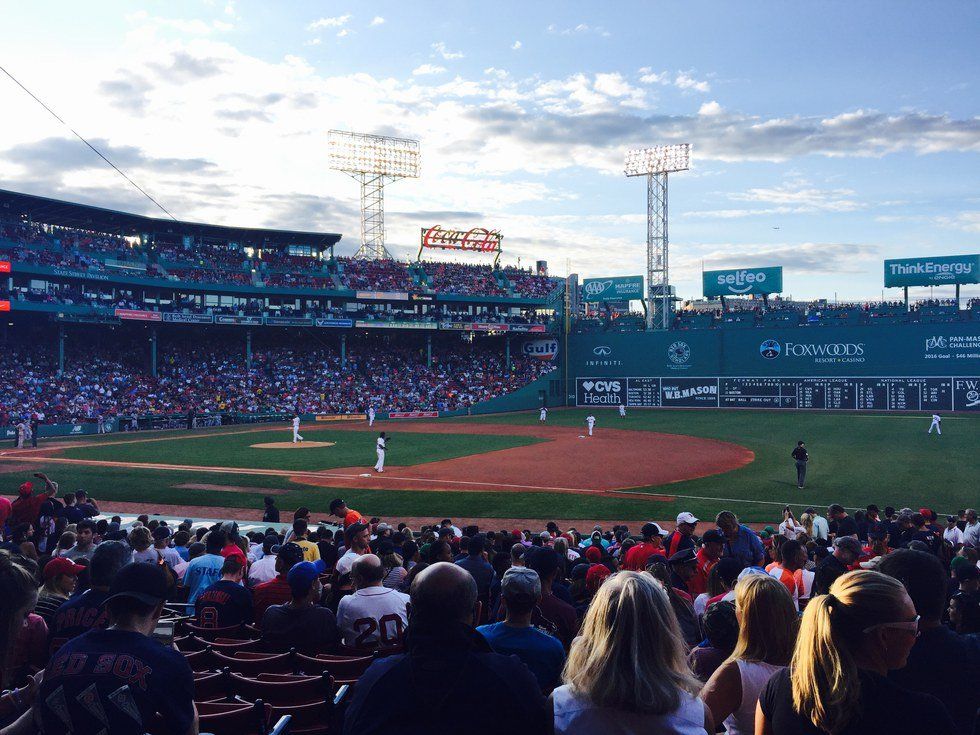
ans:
(932, 271)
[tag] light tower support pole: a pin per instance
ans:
(655, 164)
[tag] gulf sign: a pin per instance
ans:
(540, 349)
(479, 239)
(932, 271)
(4, 266)
(743, 281)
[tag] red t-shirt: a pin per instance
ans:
(636, 558)
(274, 592)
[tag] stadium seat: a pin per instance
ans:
(341, 668)
(211, 686)
(304, 690)
(251, 663)
(232, 631)
(235, 719)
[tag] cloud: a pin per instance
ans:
(516, 46)
(440, 50)
(184, 26)
(129, 92)
(686, 81)
(184, 67)
(313, 42)
(336, 21)
(808, 257)
(377, 21)
(648, 76)
(426, 69)
(344, 32)
(69, 154)
(963, 221)
(244, 115)
(710, 108)
(580, 28)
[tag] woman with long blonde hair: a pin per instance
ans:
(627, 672)
(837, 681)
(767, 624)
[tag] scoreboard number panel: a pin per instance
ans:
(859, 393)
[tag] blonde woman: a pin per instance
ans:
(767, 624)
(626, 672)
(837, 681)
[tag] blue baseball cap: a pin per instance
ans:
(302, 576)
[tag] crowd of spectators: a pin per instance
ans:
(831, 624)
(529, 285)
(209, 375)
(460, 278)
(376, 275)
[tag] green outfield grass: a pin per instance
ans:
(351, 448)
(856, 459)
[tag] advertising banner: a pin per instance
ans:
(479, 239)
(288, 321)
(179, 318)
(532, 328)
(4, 266)
(321, 418)
(932, 271)
(612, 289)
(336, 323)
(139, 315)
(4, 305)
(540, 349)
(743, 281)
(382, 295)
(361, 324)
(413, 415)
(249, 321)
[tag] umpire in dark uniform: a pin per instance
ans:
(801, 457)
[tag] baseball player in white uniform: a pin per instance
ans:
(543, 416)
(590, 421)
(936, 424)
(622, 410)
(382, 445)
(370, 413)
(296, 434)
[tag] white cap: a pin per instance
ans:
(686, 517)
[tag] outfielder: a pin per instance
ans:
(382, 445)
(936, 424)
(622, 410)
(590, 420)
(370, 413)
(296, 434)
(544, 414)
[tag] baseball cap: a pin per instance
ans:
(146, 583)
(713, 536)
(749, 571)
(684, 556)
(60, 565)
(596, 576)
(26, 488)
(951, 519)
(161, 532)
(544, 536)
(383, 527)
(593, 554)
(301, 577)
(291, 553)
(521, 582)
(652, 529)
(686, 517)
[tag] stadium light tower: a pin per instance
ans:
(655, 163)
(373, 161)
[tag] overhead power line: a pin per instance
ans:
(95, 150)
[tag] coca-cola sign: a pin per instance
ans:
(479, 239)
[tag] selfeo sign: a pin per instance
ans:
(932, 271)
(742, 281)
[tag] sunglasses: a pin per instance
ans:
(910, 625)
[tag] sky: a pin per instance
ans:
(826, 136)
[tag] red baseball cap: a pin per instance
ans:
(593, 554)
(60, 565)
(26, 488)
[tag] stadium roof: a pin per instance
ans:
(86, 217)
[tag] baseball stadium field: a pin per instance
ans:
(651, 464)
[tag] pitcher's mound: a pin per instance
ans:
(292, 445)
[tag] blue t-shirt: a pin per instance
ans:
(79, 614)
(113, 681)
(541, 653)
(200, 574)
(224, 604)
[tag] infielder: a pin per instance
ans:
(590, 421)
(622, 410)
(382, 445)
(544, 414)
(370, 413)
(936, 424)
(296, 434)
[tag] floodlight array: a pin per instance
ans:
(661, 159)
(361, 153)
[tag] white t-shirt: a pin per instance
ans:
(381, 444)
(791, 529)
(373, 617)
(590, 420)
(264, 570)
(346, 562)
(936, 418)
(295, 422)
(576, 714)
(954, 535)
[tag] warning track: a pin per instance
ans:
(612, 460)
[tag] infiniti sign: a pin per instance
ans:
(602, 350)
